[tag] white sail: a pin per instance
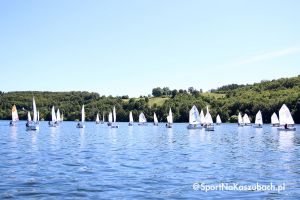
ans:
(142, 118)
(202, 117)
(258, 118)
(82, 114)
(97, 118)
(285, 116)
(130, 117)
(62, 117)
(170, 117)
(34, 110)
(58, 119)
(246, 119)
(103, 119)
(218, 120)
(194, 117)
(274, 119)
(114, 114)
(38, 116)
(208, 118)
(53, 114)
(28, 117)
(155, 118)
(240, 119)
(110, 117)
(14, 114)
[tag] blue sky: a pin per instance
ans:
(122, 47)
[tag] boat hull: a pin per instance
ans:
(209, 128)
(80, 125)
(286, 129)
(142, 124)
(32, 127)
(12, 123)
(194, 126)
(53, 124)
(168, 125)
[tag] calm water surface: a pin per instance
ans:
(145, 162)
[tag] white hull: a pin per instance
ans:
(80, 125)
(257, 126)
(53, 124)
(155, 124)
(143, 124)
(12, 123)
(32, 127)
(130, 124)
(194, 126)
(114, 126)
(248, 125)
(109, 123)
(286, 129)
(169, 125)
(209, 128)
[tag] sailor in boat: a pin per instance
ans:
(11, 123)
(285, 126)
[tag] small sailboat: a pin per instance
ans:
(53, 122)
(33, 125)
(97, 119)
(58, 117)
(246, 120)
(218, 120)
(194, 118)
(285, 119)
(258, 120)
(169, 119)
(130, 119)
(62, 117)
(110, 119)
(113, 125)
(142, 120)
(202, 118)
(81, 124)
(14, 116)
(208, 124)
(274, 120)
(155, 120)
(240, 120)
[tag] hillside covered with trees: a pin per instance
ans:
(267, 96)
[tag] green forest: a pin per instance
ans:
(228, 101)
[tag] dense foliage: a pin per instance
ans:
(267, 96)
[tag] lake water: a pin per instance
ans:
(146, 162)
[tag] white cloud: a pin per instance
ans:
(267, 56)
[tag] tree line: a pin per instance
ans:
(227, 101)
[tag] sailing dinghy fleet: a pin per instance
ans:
(285, 121)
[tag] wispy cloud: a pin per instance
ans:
(267, 56)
